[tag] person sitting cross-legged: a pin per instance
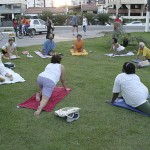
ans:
(9, 48)
(144, 51)
(78, 44)
(49, 46)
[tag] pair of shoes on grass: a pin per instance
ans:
(72, 117)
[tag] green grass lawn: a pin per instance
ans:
(100, 127)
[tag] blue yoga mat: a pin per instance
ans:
(136, 61)
(121, 103)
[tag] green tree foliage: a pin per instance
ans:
(46, 14)
(59, 19)
(90, 17)
(103, 18)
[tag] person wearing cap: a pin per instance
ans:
(144, 51)
(78, 44)
(48, 79)
(9, 48)
(133, 91)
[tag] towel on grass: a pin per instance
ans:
(58, 95)
(135, 61)
(11, 57)
(16, 77)
(78, 53)
(127, 54)
(121, 103)
(41, 55)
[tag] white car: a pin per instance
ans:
(134, 23)
(38, 25)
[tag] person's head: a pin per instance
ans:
(11, 41)
(141, 45)
(75, 14)
(114, 40)
(50, 36)
(128, 68)
(79, 36)
(56, 59)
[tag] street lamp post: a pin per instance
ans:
(147, 16)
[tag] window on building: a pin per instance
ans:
(17, 6)
(8, 6)
(135, 6)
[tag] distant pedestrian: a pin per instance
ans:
(75, 23)
(15, 24)
(84, 24)
(49, 27)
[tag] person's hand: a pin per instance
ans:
(108, 101)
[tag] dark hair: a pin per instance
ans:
(128, 68)
(11, 39)
(56, 59)
(79, 35)
(115, 40)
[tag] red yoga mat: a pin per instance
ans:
(58, 95)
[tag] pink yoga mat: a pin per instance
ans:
(58, 95)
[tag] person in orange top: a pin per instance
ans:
(26, 23)
(78, 44)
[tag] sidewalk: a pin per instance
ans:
(60, 35)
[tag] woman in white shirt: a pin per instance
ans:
(84, 24)
(48, 79)
(117, 48)
(133, 91)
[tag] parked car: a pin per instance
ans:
(134, 23)
(38, 25)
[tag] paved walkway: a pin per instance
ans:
(60, 35)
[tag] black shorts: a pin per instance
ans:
(75, 25)
(4, 52)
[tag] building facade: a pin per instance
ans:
(10, 8)
(127, 8)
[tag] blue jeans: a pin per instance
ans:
(84, 28)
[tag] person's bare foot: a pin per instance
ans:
(38, 96)
(37, 113)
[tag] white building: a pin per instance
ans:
(10, 8)
(39, 3)
(55, 3)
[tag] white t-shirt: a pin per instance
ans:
(84, 22)
(134, 92)
(10, 47)
(120, 48)
(52, 72)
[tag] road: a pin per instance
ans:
(65, 34)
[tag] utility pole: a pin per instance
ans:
(34, 3)
(147, 16)
(44, 3)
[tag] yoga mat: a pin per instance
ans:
(135, 61)
(16, 77)
(41, 55)
(12, 57)
(78, 53)
(127, 54)
(58, 95)
(121, 103)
